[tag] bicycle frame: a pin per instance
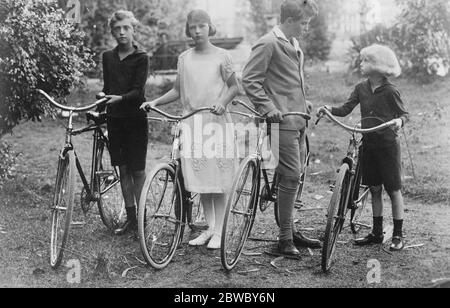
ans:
(93, 192)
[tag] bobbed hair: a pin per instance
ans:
(382, 59)
(202, 15)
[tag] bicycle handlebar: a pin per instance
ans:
(324, 111)
(256, 114)
(72, 109)
(176, 118)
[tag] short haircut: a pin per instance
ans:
(122, 15)
(200, 15)
(298, 9)
(382, 59)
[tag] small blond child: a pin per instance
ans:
(380, 102)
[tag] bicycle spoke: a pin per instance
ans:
(160, 218)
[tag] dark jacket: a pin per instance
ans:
(383, 105)
(126, 78)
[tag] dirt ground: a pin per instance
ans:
(105, 259)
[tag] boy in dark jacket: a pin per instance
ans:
(381, 159)
(125, 71)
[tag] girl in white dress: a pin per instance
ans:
(208, 154)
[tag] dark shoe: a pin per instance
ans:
(128, 227)
(370, 239)
(397, 244)
(287, 248)
(302, 241)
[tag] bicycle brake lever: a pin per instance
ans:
(319, 119)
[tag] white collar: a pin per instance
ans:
(279, 34)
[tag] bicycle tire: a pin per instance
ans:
(241, 208)
(62, 208)
(152, 224)
(357, 210)
(195, 217)
(111, 205)
(304, 174)
(336, 216)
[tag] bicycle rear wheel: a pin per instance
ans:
(62, 208)
(160, 219)
(194, 214)
(303, 176)
(111, 205)
(336, 216)
(240, 213)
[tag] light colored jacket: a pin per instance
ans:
(273, 78)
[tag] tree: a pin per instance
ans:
(151, 14)
(318, 41)
(422, 33)
(317, 44)
(40, 49)
(424, 26)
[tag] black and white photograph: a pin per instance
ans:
(224, 150)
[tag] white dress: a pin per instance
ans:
(208, 151)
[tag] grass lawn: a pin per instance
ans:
(25, 219)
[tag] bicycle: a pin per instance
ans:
(348, 192)
(246, 194)
(103, 188)
(165, 207)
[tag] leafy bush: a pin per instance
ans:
(7, 162)
(40, 49)
(421, 33)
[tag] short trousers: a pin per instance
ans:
(382, 166)
(288, 147)
(128, 142)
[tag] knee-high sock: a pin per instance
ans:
(286, 197)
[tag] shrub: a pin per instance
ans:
(40, 49)
(421, 34)
(7, 162)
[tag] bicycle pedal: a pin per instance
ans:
(77, 224)
(298, 205)
(105, 173)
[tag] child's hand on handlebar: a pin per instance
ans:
(275, 116)
(113, 99)
(320, 111)
(218, 109)
(148, 106)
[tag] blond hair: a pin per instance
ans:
(122, 15)
(382, 59)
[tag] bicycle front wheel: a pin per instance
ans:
(62, 208)
(111, 205)
(336, 216)
(240, 213)
(160, 219)
(359, 202)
